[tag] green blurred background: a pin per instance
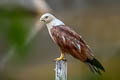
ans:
(98, 21)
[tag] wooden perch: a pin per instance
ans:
(61, 70)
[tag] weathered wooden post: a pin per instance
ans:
(61, 70)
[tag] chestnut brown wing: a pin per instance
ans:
(71, 42)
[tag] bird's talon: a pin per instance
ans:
(58, 59)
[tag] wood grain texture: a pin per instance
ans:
(61, 70)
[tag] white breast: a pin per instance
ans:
(49, 28)
(52, 24)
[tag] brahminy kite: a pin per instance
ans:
(70, 42)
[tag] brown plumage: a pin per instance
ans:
(70, 42)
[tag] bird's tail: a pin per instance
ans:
(95, 66)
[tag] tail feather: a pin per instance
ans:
(95, 66)
(94, 69)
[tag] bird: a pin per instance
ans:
(70, 42)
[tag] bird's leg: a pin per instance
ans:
(61, 57)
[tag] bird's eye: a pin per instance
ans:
(46, 17)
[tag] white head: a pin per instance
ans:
(47, 17)
(50, 20)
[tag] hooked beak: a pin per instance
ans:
(41, 20)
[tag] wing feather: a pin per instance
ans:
(71, 42)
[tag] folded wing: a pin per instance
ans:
(71, 42)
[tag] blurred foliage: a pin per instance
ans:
(5, 76)
(34, 62)
(14, 28)
(12, 24)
